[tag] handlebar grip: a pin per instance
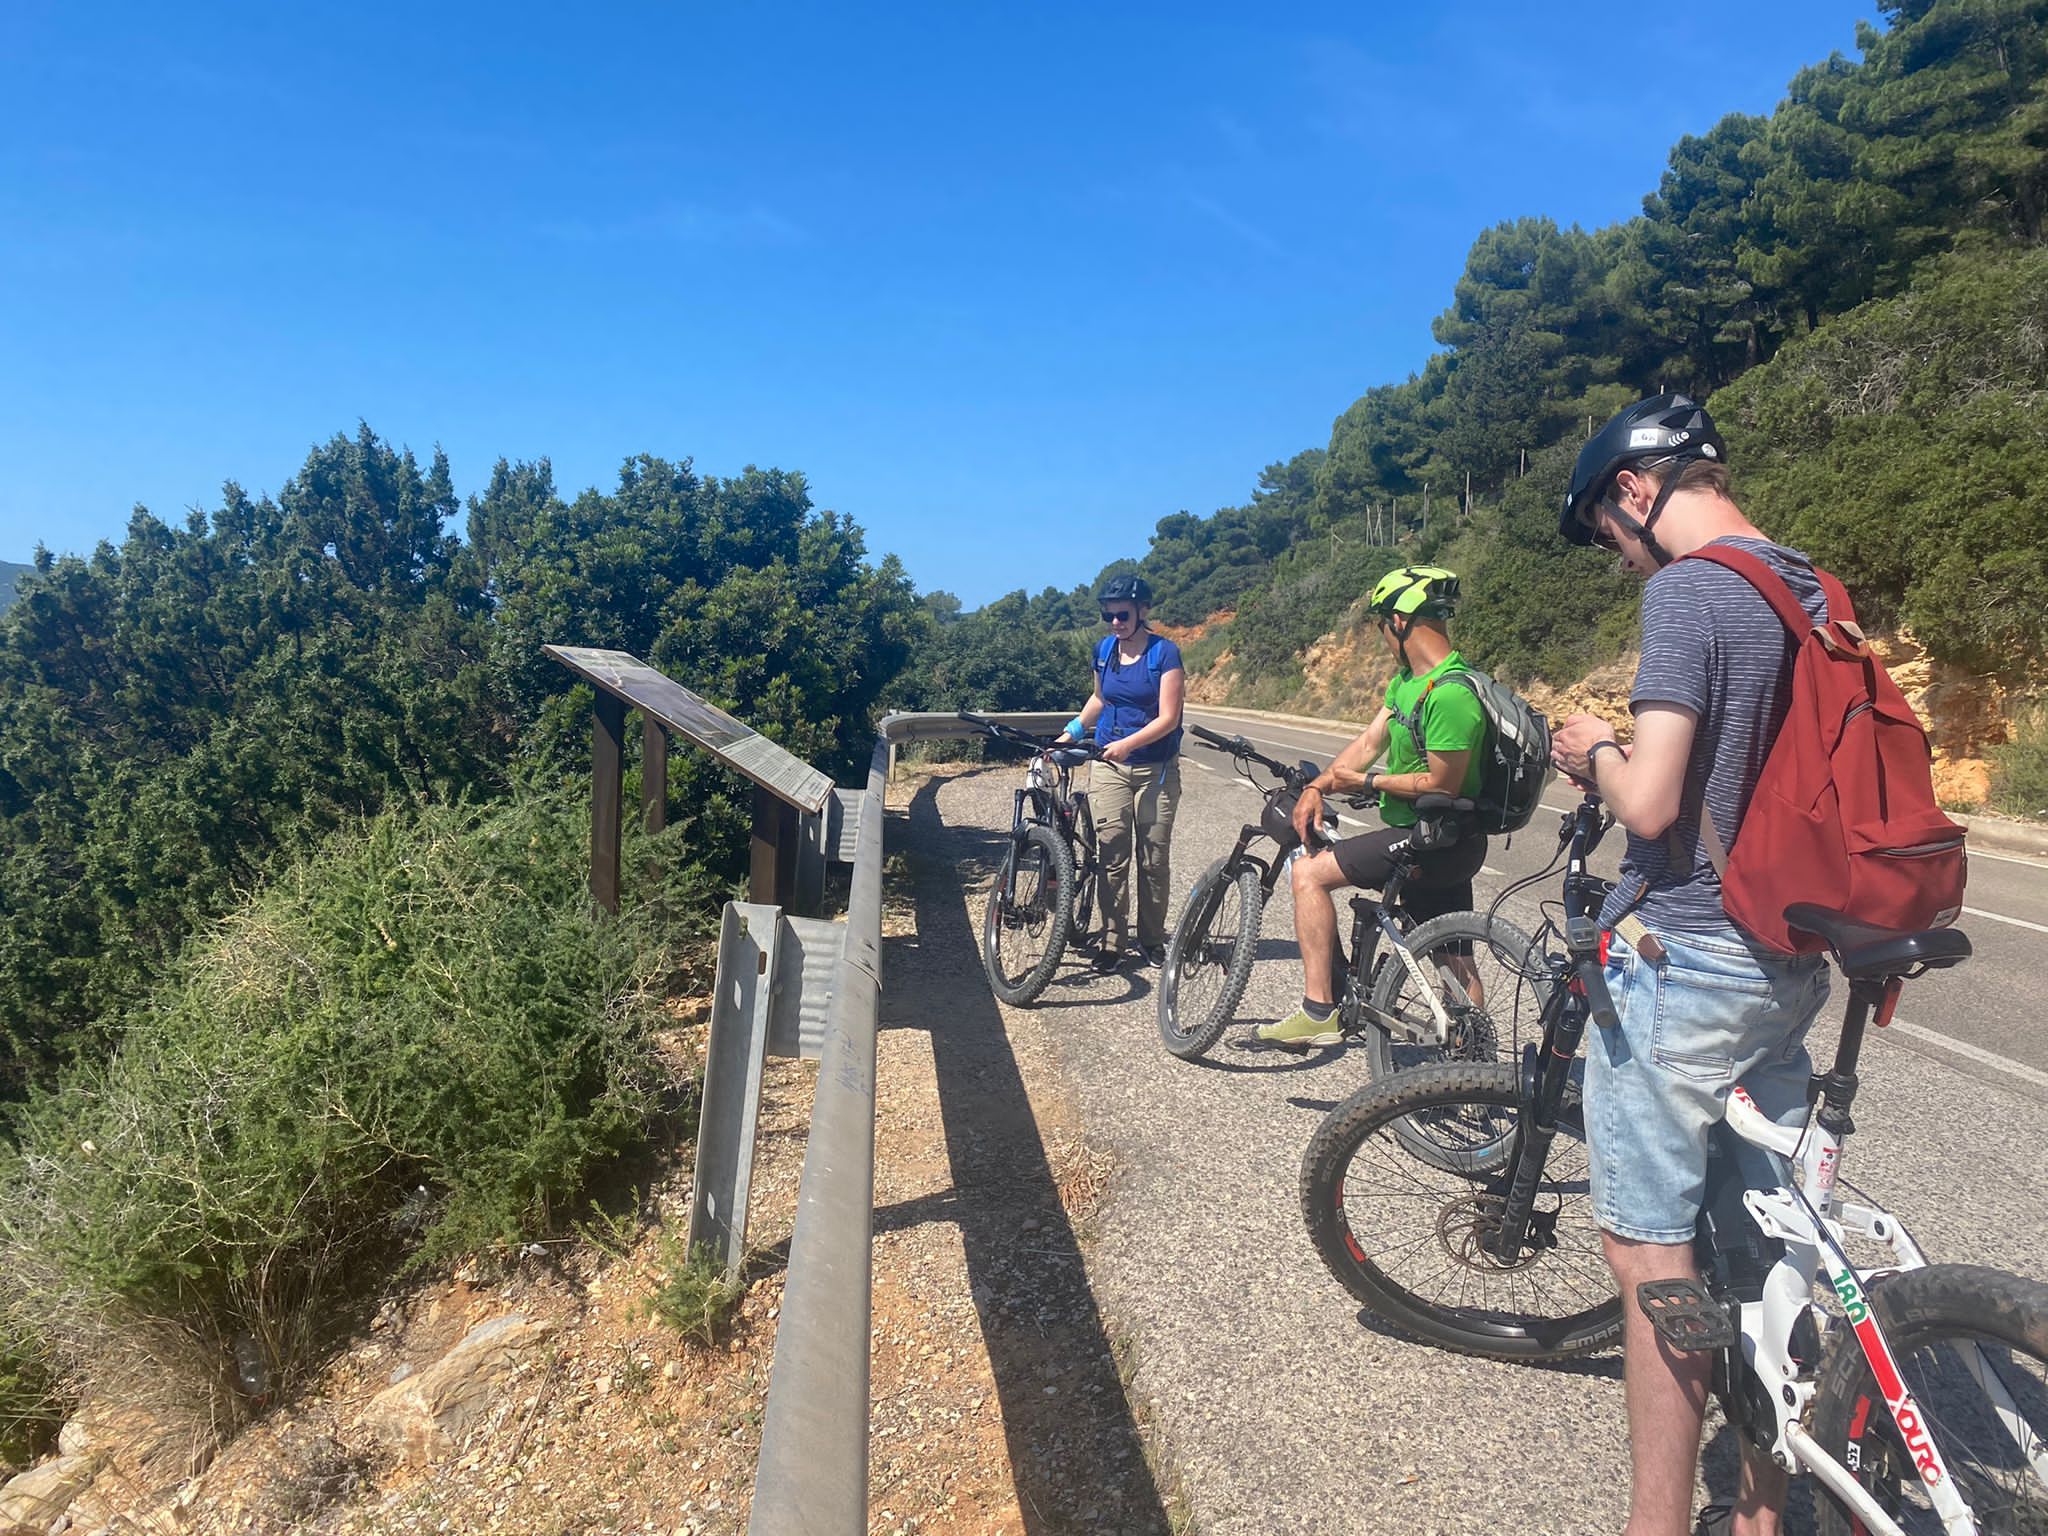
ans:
(1210, 736)
(1599, 1001)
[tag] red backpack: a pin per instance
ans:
(1843, 815)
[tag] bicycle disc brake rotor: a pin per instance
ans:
(1466, 1225)
(1472, 1037)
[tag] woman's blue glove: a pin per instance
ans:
(1073, 728)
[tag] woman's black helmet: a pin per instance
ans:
(1133, 588)
(1665, 427)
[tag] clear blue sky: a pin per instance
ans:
(1009, 283)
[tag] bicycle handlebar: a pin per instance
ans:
(1238, 747)
(1061, 743)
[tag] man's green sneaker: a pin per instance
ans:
(1300, 1031)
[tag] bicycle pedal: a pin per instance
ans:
(1685, 1316)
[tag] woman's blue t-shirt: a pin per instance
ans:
(1130, 696)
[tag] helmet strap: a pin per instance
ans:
(1401, 632)
(1641, 530)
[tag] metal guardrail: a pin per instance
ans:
(812, 1478)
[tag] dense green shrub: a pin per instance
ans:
(2019, 769)
(1905, 446)
(420, 1041)
(996, 658)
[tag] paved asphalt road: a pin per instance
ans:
(1984, 1017)
(1289, 1409)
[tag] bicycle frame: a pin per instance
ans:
(1810, 1225)
(1053, 802)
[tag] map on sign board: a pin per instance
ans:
(731, 741)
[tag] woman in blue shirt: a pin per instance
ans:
(1135, 713)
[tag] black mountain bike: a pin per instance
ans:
(1406, 1012)
(1046, 893)
(1917, 1397)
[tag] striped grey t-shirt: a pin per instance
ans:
(1712, 644)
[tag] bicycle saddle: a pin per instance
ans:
(1873, 954)
(1072, 757)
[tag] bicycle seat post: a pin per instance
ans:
(1837, 1085)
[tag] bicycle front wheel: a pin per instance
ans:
(1209, 959)
(1409, 1236)
(1024, 930)
(1482, 975)
(1972, 1345)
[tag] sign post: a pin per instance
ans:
(784, 785)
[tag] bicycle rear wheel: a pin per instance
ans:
(1972, 1344)
(1209, 959)
(1024, 932)
(1482, 973)
(1406, 1235)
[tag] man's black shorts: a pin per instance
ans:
(1442, 881)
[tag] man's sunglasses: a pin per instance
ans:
(1597, 531)
(1122, 616)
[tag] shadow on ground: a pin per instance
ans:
(1074, 1446)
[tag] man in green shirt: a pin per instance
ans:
(1431, 736)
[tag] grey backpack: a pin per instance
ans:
(1514, 760)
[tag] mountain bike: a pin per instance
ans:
(1403, 1011)
(1047, 892)
(1918, 1398)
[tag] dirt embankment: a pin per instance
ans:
(1967, 714)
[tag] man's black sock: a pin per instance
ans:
(1320, 1012)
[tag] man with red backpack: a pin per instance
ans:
(1703, 1004)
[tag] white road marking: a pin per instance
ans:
(2000, 917)
(1197, 762)
(2009, 858)
(1974, 1052)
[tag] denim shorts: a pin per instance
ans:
(1715, 1011)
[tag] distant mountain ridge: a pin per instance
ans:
(8, 572)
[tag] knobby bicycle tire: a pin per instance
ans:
(1191, 1019)
(1402, 1234)
(1036, 914)
(1931, 1317)
(1489, 1029)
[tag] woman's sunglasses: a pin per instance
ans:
(1121, 616)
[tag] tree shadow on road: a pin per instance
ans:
(1074, 1444)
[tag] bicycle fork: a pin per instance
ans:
(1543, 1084)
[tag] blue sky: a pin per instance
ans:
(1008, 283)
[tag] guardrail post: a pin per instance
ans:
(735, 1056)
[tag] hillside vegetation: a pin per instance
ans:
(10, 573)
(1854, 282)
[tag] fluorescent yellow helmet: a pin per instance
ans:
(1428, 591)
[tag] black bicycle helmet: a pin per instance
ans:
(1135, 589)
(1663, 427)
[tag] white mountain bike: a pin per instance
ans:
(1918, 1399)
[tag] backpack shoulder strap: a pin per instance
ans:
(1102, 654)
(1155, 651)
(1770, 586)
(1412, 720)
